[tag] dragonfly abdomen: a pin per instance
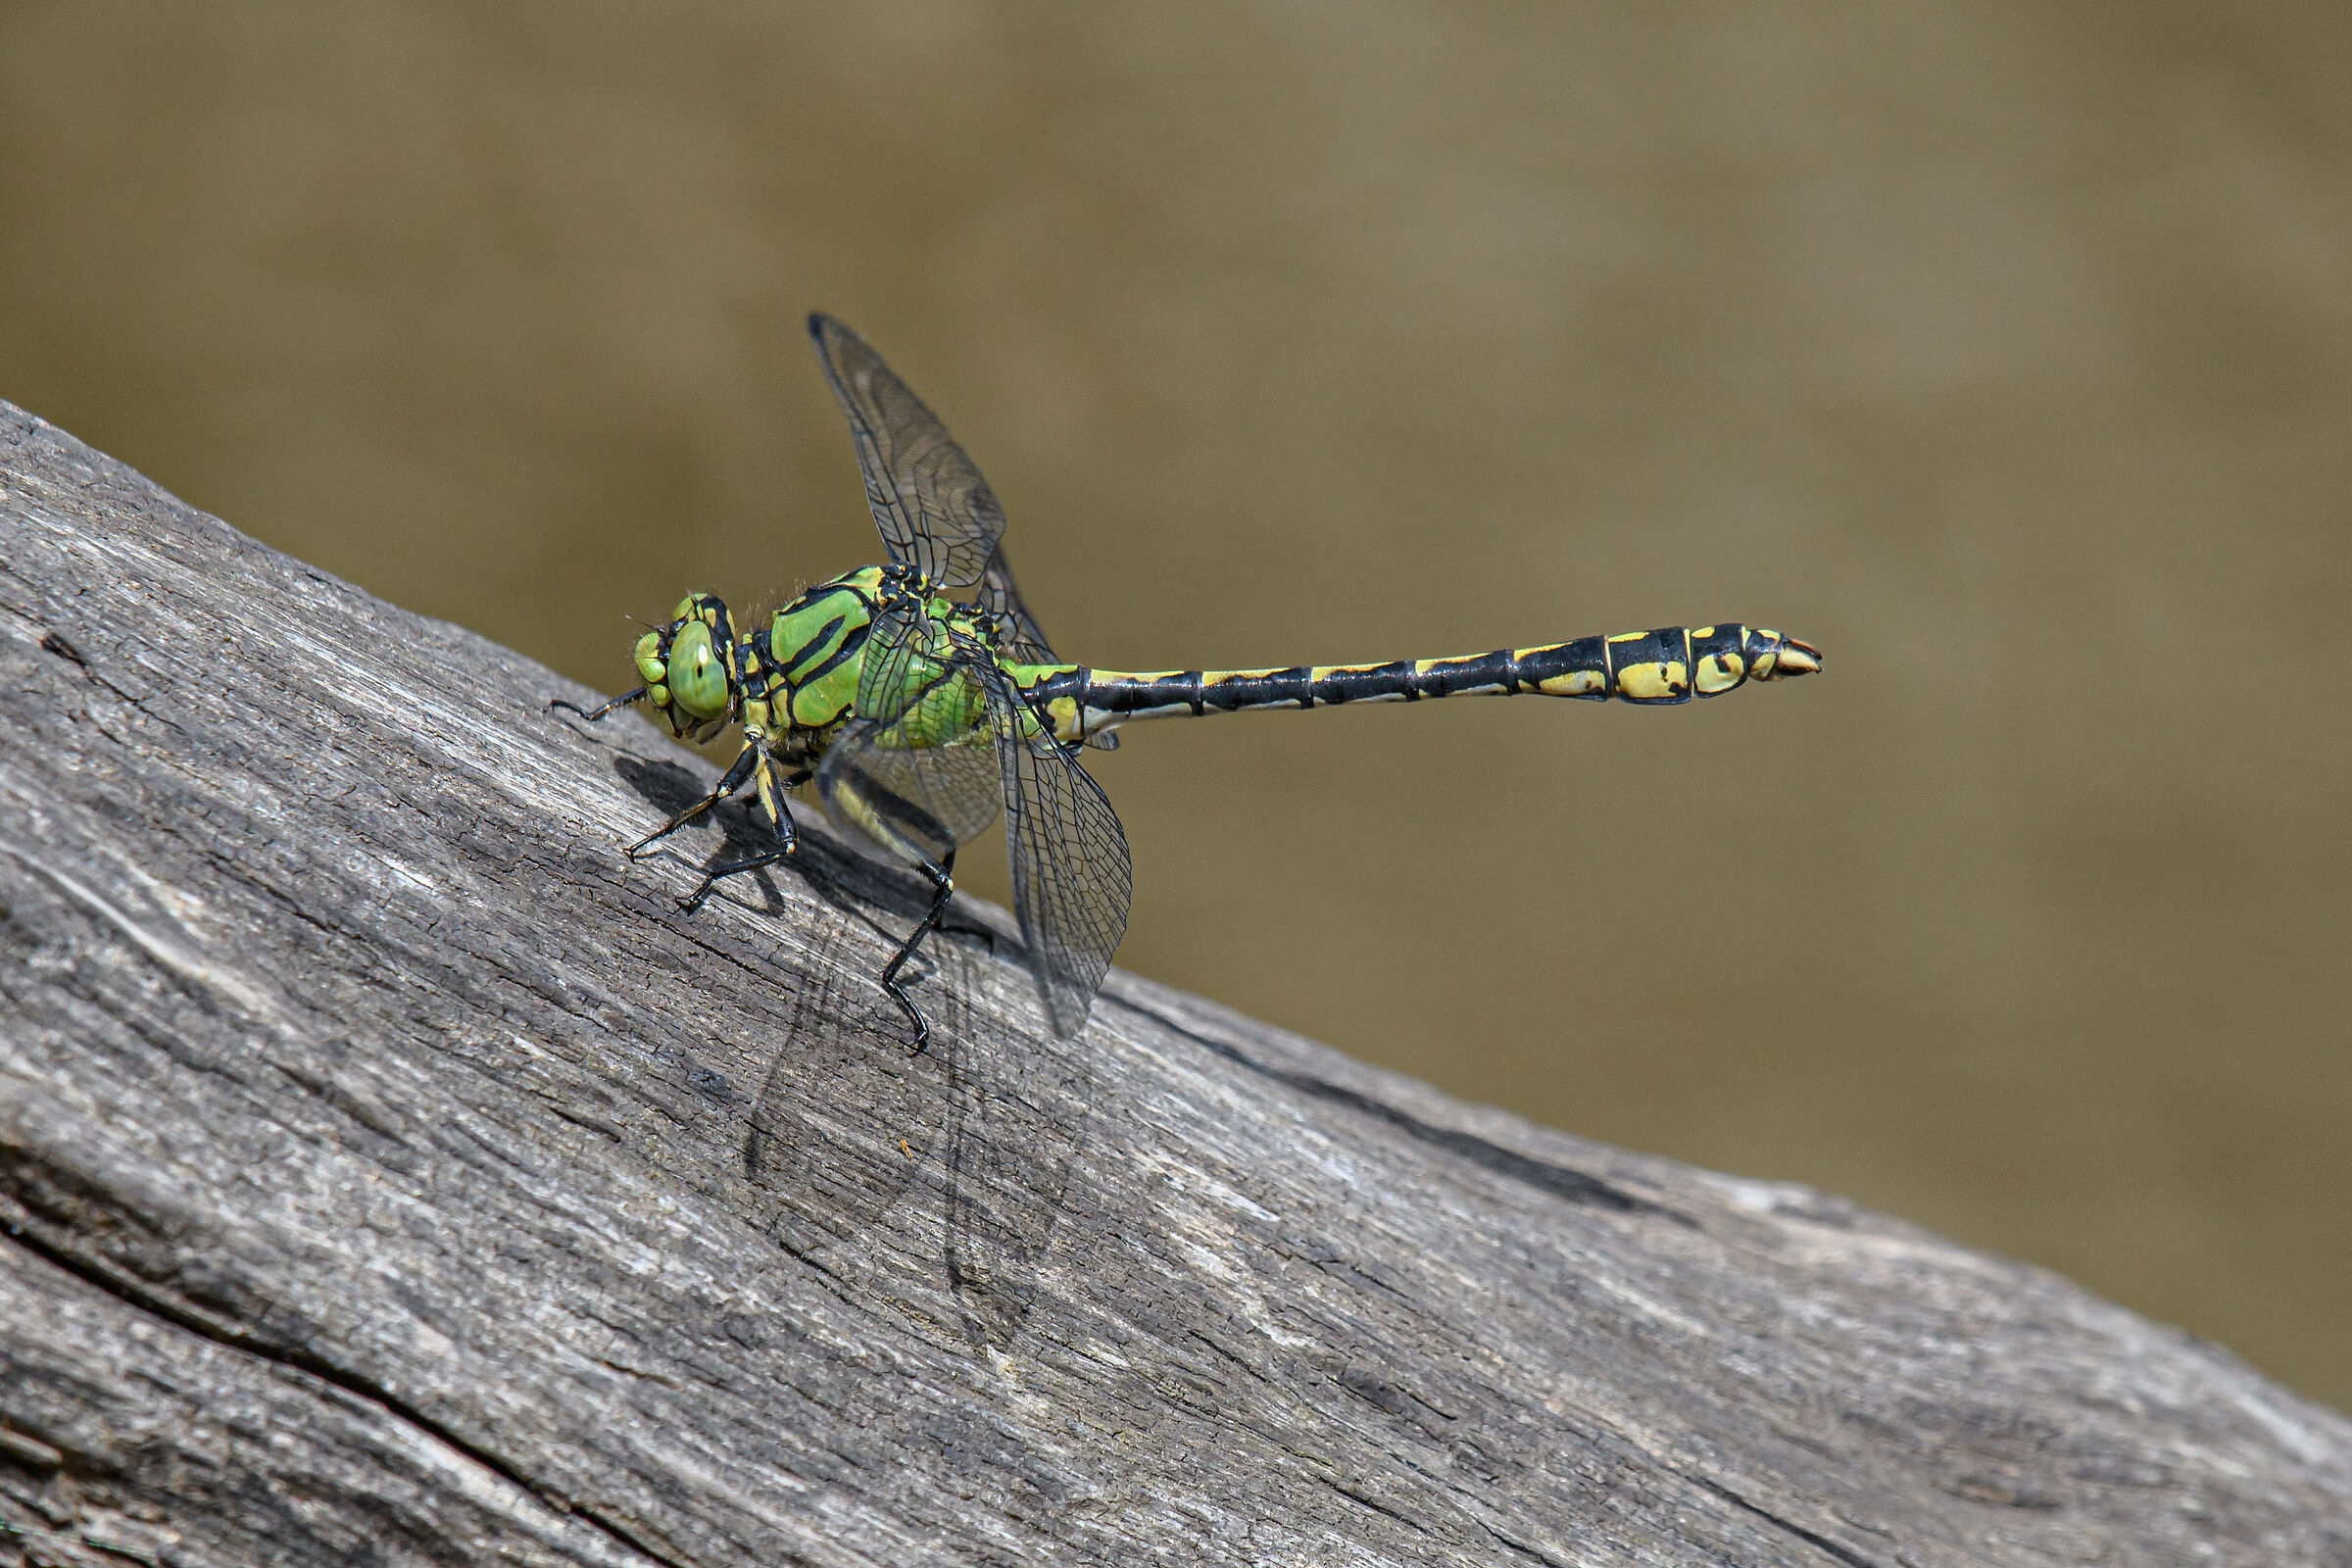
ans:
(1672, 665)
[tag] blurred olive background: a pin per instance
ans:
(2002, 350)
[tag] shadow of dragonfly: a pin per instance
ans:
(860, 1148)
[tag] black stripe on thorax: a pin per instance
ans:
(841, 656)
(824, 635)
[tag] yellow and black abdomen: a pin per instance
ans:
(1670, 665)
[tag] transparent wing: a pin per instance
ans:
(1071, 883)
(999, 599)
(908, 782)
(928, 499)
(1017, 631)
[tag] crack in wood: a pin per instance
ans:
(1811, 1537)
(23, 1233)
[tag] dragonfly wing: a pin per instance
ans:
(934, 509)
(1071, 883)
(1017, 630)
(902, 784)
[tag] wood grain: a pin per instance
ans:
(391, 1173)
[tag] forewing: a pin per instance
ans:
(928, 499)
(999, 599)
(1018, 634)
(908, 802)
(1071, 883)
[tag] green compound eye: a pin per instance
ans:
(698, 679)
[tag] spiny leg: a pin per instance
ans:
(745, 761)
(771, 796)
(601, 710)
(943, 885)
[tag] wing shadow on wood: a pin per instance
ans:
(984, 1126)
(936, 1179)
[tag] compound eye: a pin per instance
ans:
(698, 677)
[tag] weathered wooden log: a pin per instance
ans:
(391, 1172)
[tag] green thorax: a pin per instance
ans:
(803, 667)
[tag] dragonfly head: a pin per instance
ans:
(689, 667)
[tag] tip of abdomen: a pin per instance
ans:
(1794, 657)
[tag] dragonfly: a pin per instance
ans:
(922, 699)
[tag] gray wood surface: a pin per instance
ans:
(390, 1173)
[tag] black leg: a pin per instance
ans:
(779, 814)
(786, 843)
(943, 884)
(593, 715)
(747, 760)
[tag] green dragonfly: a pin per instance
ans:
(921, 698)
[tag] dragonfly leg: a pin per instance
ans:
(747, 760)
(601, 710)
(779, 816)
(943, 884)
